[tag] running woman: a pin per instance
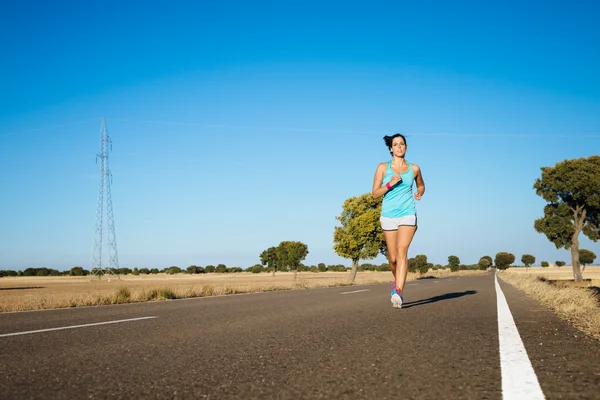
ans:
(394, 181)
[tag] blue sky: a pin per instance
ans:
(237, 125)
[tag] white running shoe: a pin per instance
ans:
(396, 300)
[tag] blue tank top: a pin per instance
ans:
(399, 201)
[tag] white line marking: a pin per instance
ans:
(518, 377)
(74, 326)
(356, 291)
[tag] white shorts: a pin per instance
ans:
(392, 224)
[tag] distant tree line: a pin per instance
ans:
(272, 263)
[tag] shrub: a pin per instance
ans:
(545, 264)
(167, 294)
(257, 269)
(123, 295)
(560, 263)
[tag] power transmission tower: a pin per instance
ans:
(105, 259)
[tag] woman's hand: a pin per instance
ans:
(396, 179)
(418, 196)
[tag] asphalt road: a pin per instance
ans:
(334, 343)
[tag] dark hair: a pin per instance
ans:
(389, 139)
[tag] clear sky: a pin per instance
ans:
(237, 125)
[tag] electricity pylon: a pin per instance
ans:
(105, 259)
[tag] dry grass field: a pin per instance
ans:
(554, 287)
(33, 293)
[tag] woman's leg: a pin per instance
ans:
(392, 248)
(404, 237)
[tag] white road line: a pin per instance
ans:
(74, 326)
(356, 291)
(518, 377)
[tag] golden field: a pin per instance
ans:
(577, 303)
(32, 293)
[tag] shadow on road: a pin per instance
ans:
(22, 288)
(447, 296)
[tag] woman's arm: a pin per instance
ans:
(379, 190)
(419, 181)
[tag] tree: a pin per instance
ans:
(360, 236)
(322, 267)
(412, 265)
(503, 260)
(192, 269)
(489, 259)
(171, 270)
(290, 255)
(221, 268)
(527, 260)
(453, 263)
(560, 263)
(270, 259)
(586, 257)
(572, 190)
(77, 271)
(483, 264)
(545, 264)
(209, 269)
(421, 263)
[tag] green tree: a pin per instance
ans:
(560, 263)
(360, 236)
(421, 263)
(412, 264)
(322, 267)
(503, 260)
(77, 271)
(545, 264)
(270, 259)
(171, 270)
(135, 271)
(209, 269)
(586, 257)
(483, 264)
(290, 254)
(453, 263)
(192, 269)
(221, 268)
(527, 260)
(572, 190)
(489, 259)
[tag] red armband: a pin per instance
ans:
(387, 185)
